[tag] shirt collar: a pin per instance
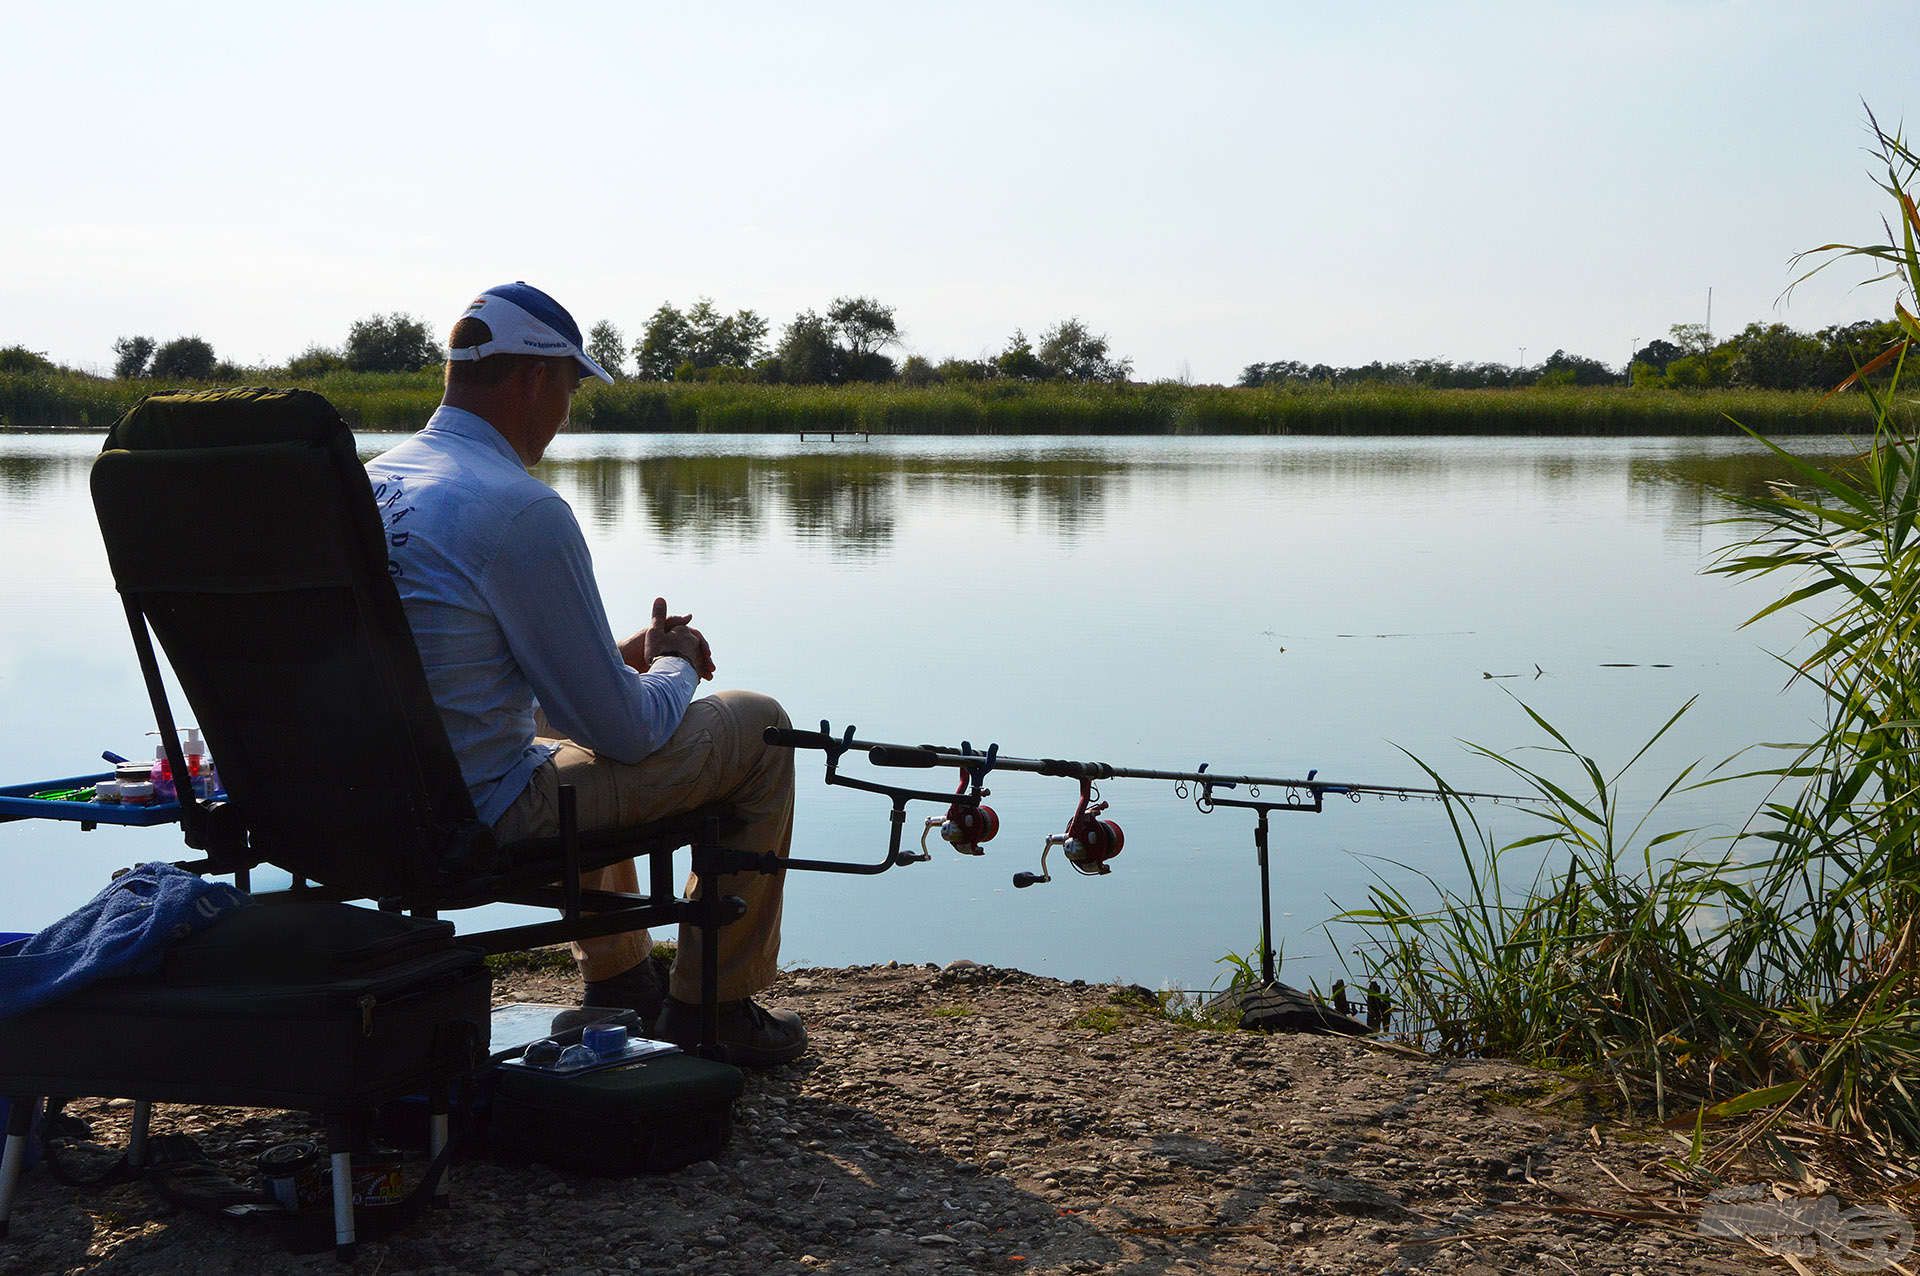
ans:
(470, 425)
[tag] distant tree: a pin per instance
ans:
(807, 353)
(716, 340)
(21, 359)
(1692, 338)
(1071, 351)
(316, 361)
(954, 371)
(1018, 360)
(391, 343)
(1852, 345)
(1702, 371)
(183, 359)
(1775, 357)
(917, 372)
(701, 337)
(864, 325)
(1280, 372)
(1562, 368)
(608, 348)
(871, 366)
(1657, 354)
(131, 356)
(663, 344)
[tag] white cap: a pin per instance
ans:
(524, 320)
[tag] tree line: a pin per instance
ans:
(847, 343)
(1760, 356)
(855, 340)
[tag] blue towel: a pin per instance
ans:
(124, 930)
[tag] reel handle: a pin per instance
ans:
(1023, 880)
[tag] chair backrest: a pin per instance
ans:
(241, 529)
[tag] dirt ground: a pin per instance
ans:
(977, 1119)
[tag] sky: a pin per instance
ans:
(1208, 184)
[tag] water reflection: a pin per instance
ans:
(23, 474)
(850, 499)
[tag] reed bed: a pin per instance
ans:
(1760, 992)
(403, 401)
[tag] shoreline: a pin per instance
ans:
(973, 1119)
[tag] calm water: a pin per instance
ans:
(1265, 605)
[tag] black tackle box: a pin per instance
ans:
(649, 1116)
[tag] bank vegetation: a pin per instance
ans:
(57, 399)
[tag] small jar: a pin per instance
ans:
(106, 791)
(137, 793)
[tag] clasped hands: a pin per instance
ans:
(669, 636)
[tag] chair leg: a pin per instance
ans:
(137, 1133)
(710, 922)
(20, 1114)
(339, 1149)
(437, 1122)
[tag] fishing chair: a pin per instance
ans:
(242, 534)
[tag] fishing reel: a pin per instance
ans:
(1088, 843)
(963, 828)
(968, 825)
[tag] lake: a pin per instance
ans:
(1264, 605)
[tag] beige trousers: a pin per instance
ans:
(716, 755)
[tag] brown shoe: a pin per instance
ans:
(751, 1036)
(641, 989)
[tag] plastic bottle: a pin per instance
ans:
(162, 776)
(195, 751)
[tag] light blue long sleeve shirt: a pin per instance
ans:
(498, 586)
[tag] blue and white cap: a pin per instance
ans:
(524, 320)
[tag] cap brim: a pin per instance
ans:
(592, 367)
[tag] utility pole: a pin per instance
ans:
(1709, 314)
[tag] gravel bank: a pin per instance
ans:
(975, 1119)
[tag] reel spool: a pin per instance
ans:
(1088, 843)
(1092, 841)
(965, 828)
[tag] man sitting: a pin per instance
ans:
(497, 583)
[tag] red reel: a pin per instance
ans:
(969, 828)
(1092, 841)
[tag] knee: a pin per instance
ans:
(755, 711)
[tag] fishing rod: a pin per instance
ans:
(1090, 840)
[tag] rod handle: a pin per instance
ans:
(788, 738)
(899, 756)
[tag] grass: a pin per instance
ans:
(956, 1011)
(555, 960)
(1760, 994)
(1103, 1019)
(403, 401)
(532, 961)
